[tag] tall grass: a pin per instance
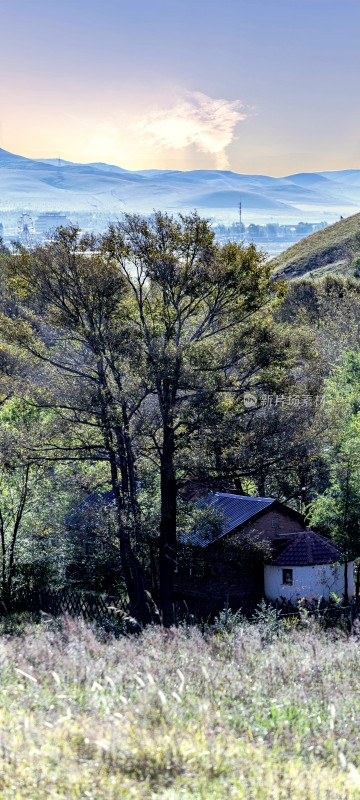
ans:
(174, 714)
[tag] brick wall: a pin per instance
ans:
(283, 523)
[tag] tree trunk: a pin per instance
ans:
(261, 484)
(132, 569)
(133, 572)
(3, 557)
(17, 523)
(346, 584)
(168, 551)
(154, 570)
(128, 476)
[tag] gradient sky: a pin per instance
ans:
(256, 86)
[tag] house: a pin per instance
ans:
(250, 548)
(306, 564)
(262, 548)
(263, 515)
(226, 565)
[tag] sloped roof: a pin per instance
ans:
(303, 549)
(235, 510)
(96, 501)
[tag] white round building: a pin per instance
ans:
(306, 564)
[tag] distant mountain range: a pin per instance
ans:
(55, 184)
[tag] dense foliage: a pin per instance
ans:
(126, 364)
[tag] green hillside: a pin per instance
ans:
(332, 249)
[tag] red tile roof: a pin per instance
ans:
(303, 549)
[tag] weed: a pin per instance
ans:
(175, 715)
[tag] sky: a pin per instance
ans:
(255, 86)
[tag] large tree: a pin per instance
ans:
(144, 341)
(67, 311)
(199, 310)
(34, 498)
(336, 511)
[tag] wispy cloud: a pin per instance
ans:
(196, 119)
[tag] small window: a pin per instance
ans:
(275, 522)
(287, 577)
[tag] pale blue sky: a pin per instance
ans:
(251, 85)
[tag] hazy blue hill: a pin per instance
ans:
(106, 167)
(291, 190)
(229, 199)
(15, 162)
(54, 162)
(58, 184)
(342, 174)
(308, 178)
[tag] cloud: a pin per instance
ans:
(197, 119)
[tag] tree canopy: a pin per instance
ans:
(131, 353)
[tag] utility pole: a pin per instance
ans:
(240, 218)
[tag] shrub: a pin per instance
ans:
(227, 620)
(356, 267)
(267, 620)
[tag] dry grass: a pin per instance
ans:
(177, 715)
(329, 250)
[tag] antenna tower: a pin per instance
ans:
(240, 219)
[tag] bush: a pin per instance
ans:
(356, 267)
(227, 620)
(266, 618)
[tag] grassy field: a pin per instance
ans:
(251, 713)
(329, 250)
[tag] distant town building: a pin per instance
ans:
(273, 237)
(47, 223)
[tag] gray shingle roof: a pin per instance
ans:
(96, 501)
(303, 549)
(234, 510)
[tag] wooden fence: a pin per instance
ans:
(327, 614)
(112, 608)
(92, 607)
